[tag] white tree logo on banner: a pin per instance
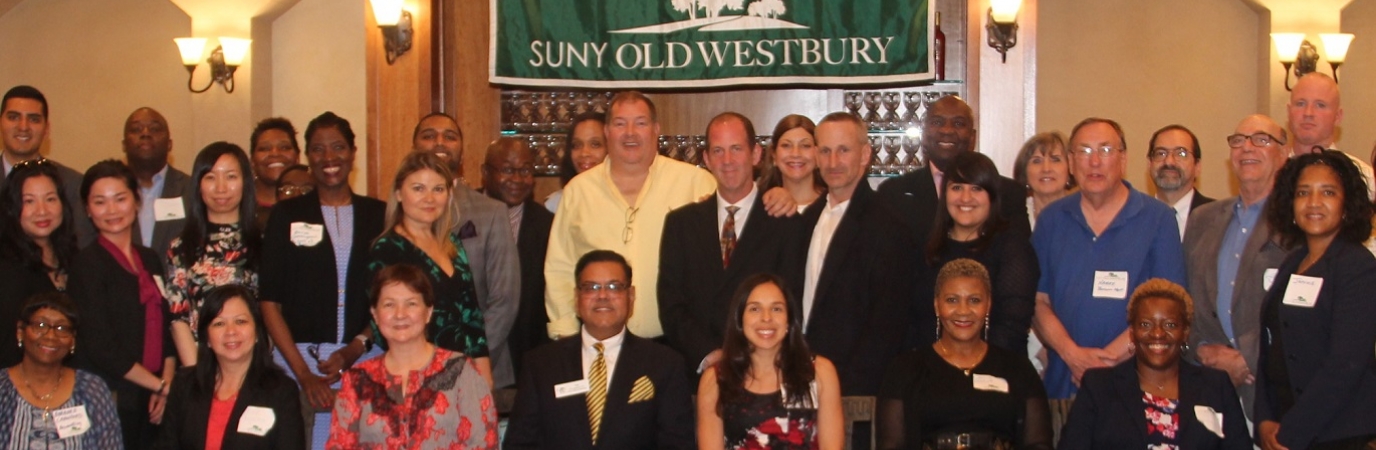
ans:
(758, 15)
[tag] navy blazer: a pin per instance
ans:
(1109, 414)
(1328, 350)
(541, 421)
(532, 243)
(188, 413)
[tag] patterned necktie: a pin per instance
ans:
(728, 235)
(597, 392)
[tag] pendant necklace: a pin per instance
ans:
(46, 398)
(947, 353)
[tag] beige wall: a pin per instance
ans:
(318, 65)
(96, 61)
(1356, 75)
(1147, 65)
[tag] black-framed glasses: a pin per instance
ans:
(1106, 151)
(41, 329)
(289, 190)
(628, 232)
(1260, 139)
(611, 288)
(523, 172)
(1160, 153)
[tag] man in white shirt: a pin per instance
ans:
(1315, 112)
(1174, 156)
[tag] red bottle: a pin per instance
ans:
(939, 49)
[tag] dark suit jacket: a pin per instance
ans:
(1203, 242)
(175, 184)
(303, 279)
(188, 413)
(111, 337)
(1108, 412)
(913, 197)
(17, 284)
(71, 183)
(1328, 350)
(860, 314)
(529, 330)
(541, 421)
(694, 289)
(1199, 200)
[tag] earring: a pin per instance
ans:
(21, 343)
(938, 327)
(73, 351)
(986, 328)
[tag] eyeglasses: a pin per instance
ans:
(314, 351)
(1161, 153)
(288, 189)
(1106, 151)
(41, 329)
(629, 232)
(1259, 139)
(611, 288)
(524, 171)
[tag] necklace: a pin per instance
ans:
(46, 398)
(1161, 387)
(947, 354)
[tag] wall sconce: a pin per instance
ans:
(1294, 50)
(223, 61)
(1002, 27)
(395, 24)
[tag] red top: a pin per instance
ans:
(219, 420)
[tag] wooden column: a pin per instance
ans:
(398, 95)
(467, 95)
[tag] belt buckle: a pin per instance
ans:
(963, 441)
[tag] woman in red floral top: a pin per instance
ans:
(417, 395)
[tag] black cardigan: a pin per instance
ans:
(110, 340)
(188, 413)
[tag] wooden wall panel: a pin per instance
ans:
(398, 95)
(467, 94)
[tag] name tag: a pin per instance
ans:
(990, 383)
(168, 209)
(306, 235)
(571, 388)
(1268, 278)
(71, 421)
(1302, 291)
(1111, 284)
(257, 421)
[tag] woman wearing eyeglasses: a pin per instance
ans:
(42, 401)
(314, 284)
(417, 233)
(37, 242)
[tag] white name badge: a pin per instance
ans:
(71, 421)
(1110, 284)
(990, 383)
(168, 209)
(571, 388)
(306, 235)
(1302, 291)
(257, 421)
(1268, 278)
(1212, 420)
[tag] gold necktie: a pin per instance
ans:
(597, 391)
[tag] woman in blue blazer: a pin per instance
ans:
(1152, 400)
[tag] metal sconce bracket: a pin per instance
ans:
(397, 38)
(220, 72)
(1002, 36)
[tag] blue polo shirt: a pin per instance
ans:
(1143, 240)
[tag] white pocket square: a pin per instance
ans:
(1212, 420)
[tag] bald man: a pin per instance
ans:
(147, 143)
(1316, 111)
(509, 177)
(1228, 252)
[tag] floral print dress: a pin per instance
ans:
(457, 323)
(446, 405)
(764, 422)
(225, 261)
(1163, 423)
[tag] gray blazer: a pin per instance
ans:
(1203, 241)
(496, 271)
(175, 184)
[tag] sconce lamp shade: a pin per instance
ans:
(1005, 11)
(235, 50)
(191, 49)
(1287, 45)
(387, 12)
(1335, 46)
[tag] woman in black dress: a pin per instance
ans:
(37, 242)
(962, 392)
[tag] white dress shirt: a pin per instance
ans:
(817, 252)
(611, 349)
(745, 204)
(1182, 211)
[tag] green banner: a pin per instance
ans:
(709, 43)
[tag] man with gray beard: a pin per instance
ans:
(1174, 157)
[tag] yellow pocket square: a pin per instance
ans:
(643, 390)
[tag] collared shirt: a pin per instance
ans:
(514, 215)
(937, 176)
(817, 252)
(8, 167)
(149, 195)
(1141, 240)
(611, 350)
(745, 204)
(593, 215)
(1182, 211)
(1240, 229)
(339, 222)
